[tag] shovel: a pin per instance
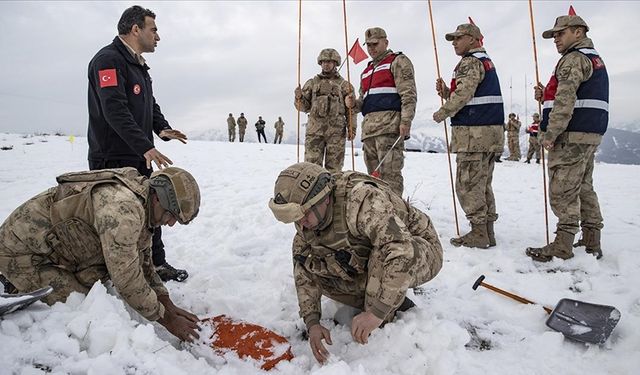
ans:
(576, 320)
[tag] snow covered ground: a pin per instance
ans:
(239, 260)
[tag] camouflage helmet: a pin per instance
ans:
(512, 115)
(178, 192)
(299, 188)
(329, 54)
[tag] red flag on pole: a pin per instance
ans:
(357, 53)
(572, 12)
(473, 23)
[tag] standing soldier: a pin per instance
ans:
(388, 102)
(513, 137)
(279, 125)
(356, 242)
(322, 97)
(534, 145)
(260, 129)
(575, 116)
(242, 127)
(474, 103)
(231, 122)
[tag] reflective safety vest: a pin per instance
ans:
(591, 110)
(533, 129)
(485, 108)
(379, 87)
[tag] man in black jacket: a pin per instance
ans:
(123, 114)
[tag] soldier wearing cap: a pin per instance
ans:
(279, 125)
(513, 137)
(231, 124)
(242, 127)
(356, 242)
(322, 97)
(474, 103)
(98, 225)
(388, 103)
(534, 145)
(574, 118)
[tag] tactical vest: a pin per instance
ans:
(379, 87)
(334, 252)
(591, 110)
(327, 97)
(73, 240)
(485, 108)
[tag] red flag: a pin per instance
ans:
(108, 78)
(357, 53)
(572, 12)
(473, 23)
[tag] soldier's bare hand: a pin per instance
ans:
(441, 88)
(179, 322)
(317, 333)
(438, 117)
(362, 326)
(157, 157)
(298, 92)
(405, 131)
(349, 101)
(548, 144)
(538, 91)
(173, 134)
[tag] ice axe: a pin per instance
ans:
(577, 320)
(376, 172)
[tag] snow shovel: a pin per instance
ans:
(376, 172)
(14, 302)
(248, 340)
(576, 320)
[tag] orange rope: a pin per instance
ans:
(446, 133)
(544, 169)
(299, 49)
(346, 44)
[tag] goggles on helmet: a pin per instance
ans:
(166, 195)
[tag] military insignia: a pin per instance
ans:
(136, 89)
(488, 65)
(564, 73)
(289, 173)
(597, 62)
(407, 73)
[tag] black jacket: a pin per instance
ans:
(122, 112)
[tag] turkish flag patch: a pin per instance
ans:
(108, 77)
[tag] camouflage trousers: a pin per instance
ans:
(375, 149)
(474, 175)
(513, 141)
(534, 147)
(232, 134)
(241, 132)
(571, 194)
(365, 289)
(278, 138)
(328, 146)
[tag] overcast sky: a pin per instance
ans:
(241, 56)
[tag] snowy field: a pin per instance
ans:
(238, 258)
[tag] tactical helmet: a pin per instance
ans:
(178, 192)
(299, 188)
(329, 54)
(512, 115)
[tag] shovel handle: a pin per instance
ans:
(480, 282)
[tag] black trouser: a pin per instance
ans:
(261, 132)
(157, 246)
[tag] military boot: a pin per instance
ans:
(537, 161)
(561, 247)
(491, 234)
(591, 241)
(168, 272)
(476, 238)
(528, 161)
(8, 287)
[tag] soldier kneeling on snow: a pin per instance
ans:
(96, 226)
(357, 242)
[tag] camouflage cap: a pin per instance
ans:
(562, 23)
(535, 115)
(178, 192)
(512, 115)
(329, 54)
(297, 189)
(465, 29)
(372, 35)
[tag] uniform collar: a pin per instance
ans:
(385, 54)
(582, 43)
(136, 56)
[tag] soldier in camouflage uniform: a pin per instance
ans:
(231, 123)
(98, 225)
(387, 101)
(242, 127)
(474, 103)
(357, 242)
(534, 145)
(322, 97)
(279, 125)
(574, 119)
(513, 137)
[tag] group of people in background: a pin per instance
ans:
(260, 125)
(513, 139)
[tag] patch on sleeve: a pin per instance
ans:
(108, 77)
(564, 73)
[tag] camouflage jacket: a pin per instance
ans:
(513, 125)
(388, 122)
(279, 125)
(469, 73)
(242, 122)
(572, 70)
(363, 219)
(231, 122)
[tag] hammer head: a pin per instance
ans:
(478, 282)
